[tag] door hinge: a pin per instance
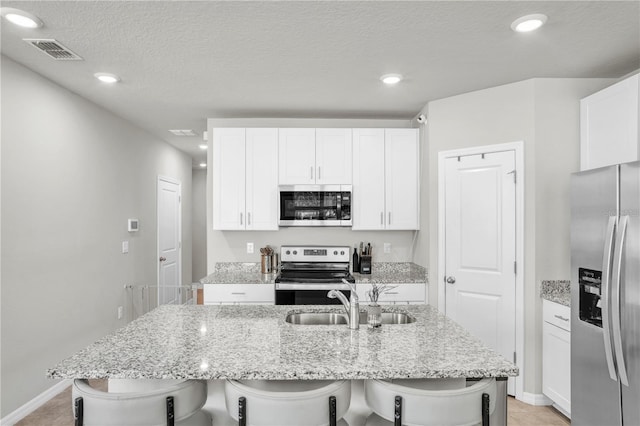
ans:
(514, 358)
(515, 267)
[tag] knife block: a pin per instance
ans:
(365, 265)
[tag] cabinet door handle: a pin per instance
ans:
(238, 293)
(391, 292)
(240, 218)
(311, 172)
(560, 317)
(249, 218)
(319, 175)
(381, 218)
(389, 218)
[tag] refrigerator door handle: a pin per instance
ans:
(615, 300)
(604, 295)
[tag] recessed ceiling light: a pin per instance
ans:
(391, 78)
(203, 165)
(21, 18)
(203, 146)
(105, 77)
(529, 23)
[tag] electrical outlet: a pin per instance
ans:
(120, 312)
(125, 247)
(387, 248)
(249, 248)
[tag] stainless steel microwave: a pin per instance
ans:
(314, 205)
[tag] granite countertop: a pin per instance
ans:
(382, 273)
(393, 273)
(556, 291)
(254, 342)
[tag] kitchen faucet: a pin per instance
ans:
(352, 306)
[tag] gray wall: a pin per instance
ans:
(230, 246)
(544, 114)
(199, 224)
(72, 174)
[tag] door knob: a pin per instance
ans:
(162, 258)
(451, 280)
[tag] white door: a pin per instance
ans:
(169, 241)
(480, 250)
(297, 156)
(333, 156)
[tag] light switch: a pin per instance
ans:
(125, 247)
(387, 247)
(249, 248)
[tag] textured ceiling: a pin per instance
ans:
(184, 61)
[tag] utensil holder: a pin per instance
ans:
(365, 264)
(265, 264)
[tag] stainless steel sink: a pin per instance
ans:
(334, 318)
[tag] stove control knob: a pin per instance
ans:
(335, 252)
(288, 252)
(295, 252)
(342, 252)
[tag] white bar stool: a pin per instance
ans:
(176, 403)
(288, 402)
(426, 402)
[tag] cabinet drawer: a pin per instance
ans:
(401, 293)
(556, 314)
(239, 293)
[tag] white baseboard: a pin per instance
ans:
(37, 402)
(535, 399)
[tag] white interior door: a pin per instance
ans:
(480, 240)
(169, 241)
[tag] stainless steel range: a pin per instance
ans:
(307, 273)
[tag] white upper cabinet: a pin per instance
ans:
(245, 179)
(402, 176)
(367, 205)
(315, 156)
(609, 125)
(333, 156)
(385, 179)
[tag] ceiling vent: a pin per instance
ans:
(54, 49)
(183, 132)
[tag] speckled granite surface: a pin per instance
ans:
(382, 273)
(398, 273)
(254, 342)
(238, 273)
(556, 291)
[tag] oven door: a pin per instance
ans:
(306, 297)
(314, 205)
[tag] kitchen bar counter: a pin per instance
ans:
(254, 342)
(556, 291)
(382, 273)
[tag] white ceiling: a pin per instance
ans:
(182, 62)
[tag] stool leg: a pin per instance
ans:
(332, 410)
(397, 417)
(242, 411)
(170, 412)
(485, 409)
(78, 415)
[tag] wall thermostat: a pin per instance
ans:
(133, 225)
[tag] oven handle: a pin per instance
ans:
(312, 286)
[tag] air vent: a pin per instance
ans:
(183, 132)
(54, 49)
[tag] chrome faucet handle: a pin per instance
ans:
(352, 286)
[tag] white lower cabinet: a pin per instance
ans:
(239, 294)
(556, 354)
(402, 294)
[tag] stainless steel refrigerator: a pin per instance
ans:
(605, 296)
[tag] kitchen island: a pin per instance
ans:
(254, 342)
